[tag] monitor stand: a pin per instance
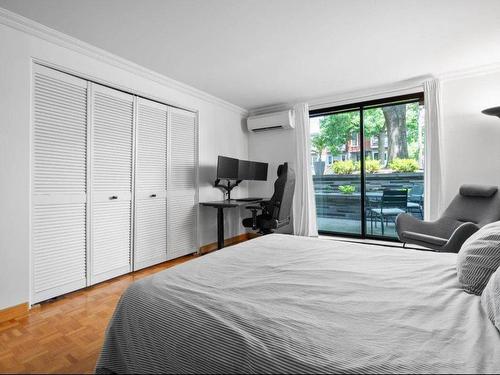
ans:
(228, 187)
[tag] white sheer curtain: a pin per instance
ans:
(433, 204)
(304, 205)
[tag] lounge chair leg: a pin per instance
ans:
(404, 245)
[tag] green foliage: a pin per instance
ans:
(318, 143)
(338, 130)
(372, 166)
(374, 121)
(347, 189)
(412, 113)
(413, 150)
(404, 165)
(344, 167)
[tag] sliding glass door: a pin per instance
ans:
(368, 165)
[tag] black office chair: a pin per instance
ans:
(276, 211)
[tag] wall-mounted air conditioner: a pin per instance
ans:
(268, 121)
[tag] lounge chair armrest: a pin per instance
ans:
(408, 223)
(459, 236)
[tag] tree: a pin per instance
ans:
(338, 130)
(414, 132)
(374, 122)
(395, 122)
(319, 143)
(399, 122)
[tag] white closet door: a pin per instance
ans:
(111, 181)
(182, 202)
(59, 167)
(150, 233)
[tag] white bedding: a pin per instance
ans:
(291, 304)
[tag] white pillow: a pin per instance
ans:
(479, 258)
(490, 299)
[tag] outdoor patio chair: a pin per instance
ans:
(474, 207)
(393, 203)
(416, 200)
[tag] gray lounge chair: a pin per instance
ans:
(474, 207)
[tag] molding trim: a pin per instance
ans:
(399, 88)
(48, 34)
(227, 242)
(270, 108)
(14, 312)
(470, 72)
(409, 86)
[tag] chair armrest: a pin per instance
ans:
(408, 223)
(269, 203)
(459, 236)
(253, 208)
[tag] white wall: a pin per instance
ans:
(471, 140)
(221, 132)
(274, 147)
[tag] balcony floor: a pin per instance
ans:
(354, 227)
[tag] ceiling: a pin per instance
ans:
(264, 52)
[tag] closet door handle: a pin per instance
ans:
(152, 196)
(113, 197)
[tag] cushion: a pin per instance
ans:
(484, 191)
(438, 241)
(490, 299)
(478, 258)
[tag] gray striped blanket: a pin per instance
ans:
(284, 304)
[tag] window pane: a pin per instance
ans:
(335, 163)
(394, 165)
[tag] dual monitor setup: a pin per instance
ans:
(231, 169)
(234, 171)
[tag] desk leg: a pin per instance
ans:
(220, 227)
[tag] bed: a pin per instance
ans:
(285, 304)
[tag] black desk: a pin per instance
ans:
(220, 205)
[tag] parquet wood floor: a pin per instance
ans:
(66, 335)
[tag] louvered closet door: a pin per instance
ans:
(182, 183)
(59, 165)
(111, 181)
(150, 184)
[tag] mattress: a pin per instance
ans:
(286, 304)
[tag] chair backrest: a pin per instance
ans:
(284, 188)
(475, 203)
(417, 190)
(395, 199)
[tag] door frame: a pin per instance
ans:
(361, 106)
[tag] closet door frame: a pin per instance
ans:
(91, 80)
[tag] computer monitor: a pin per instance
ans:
(235, 169)
(227, 168)
(252, 170)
